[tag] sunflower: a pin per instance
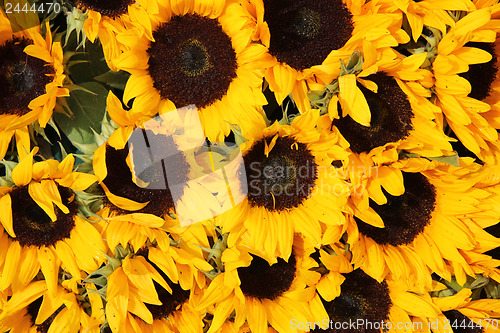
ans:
(35, 309)
(208, 60)
(32, 77)
(308, 38)
(424, 13)
(464, 67)
(363, 304)
(462, 314)
(292, 186)
(104, 20)
(429, 227)
(139, 230)
(38, 236)
(157, 287)
(124, 188)
(391, 88)
(261, 290)
(159, 166)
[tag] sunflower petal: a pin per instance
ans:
(22, 173)
(6, 214)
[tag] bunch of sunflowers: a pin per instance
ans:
(250, 166)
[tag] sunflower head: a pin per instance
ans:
(264, 281)
(23, 77)
(391, 116)
(281, 173)
(404, 216)
(31, 224)
(361, 297)
(203, 57)
(304, 32)
(40, 208)
(110, 9)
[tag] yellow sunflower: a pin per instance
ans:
(208, 60)
(308, 38)
(461, 313)
(32, 77)
(358, 302)
(464, 68)
(35, 234)
(138, 230)
(105, 20)
(35, 309)
(369, 99)
(292, 186)
(263, 292)
(424, 13)
(155, 288)
(140, 173)
(422, 222)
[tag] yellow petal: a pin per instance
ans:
(256, 316)
(66, 166)
(49, 265)
(6, 214)
(77, 181)
(44, 198)
(116, 111)
(347, 92)
(10, 267)
(123, 203)
(117, 298)
(139, 276)
(24, 297)
(28, 267)
(22, 173)
(99, 163)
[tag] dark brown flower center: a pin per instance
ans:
(404, 216)
(494, 230)
(391, 116)
(33, 226)
(110, 8)
(283, 179)
(264, 281)
(22, 77)
(192, 60)
(462, 324)
(119, 179)
(304, 32)
(361, 298)
(481, 76)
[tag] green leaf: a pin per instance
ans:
(84, 66)
(238, 137)
(114, 79)
(88, 110)
(452, 160)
